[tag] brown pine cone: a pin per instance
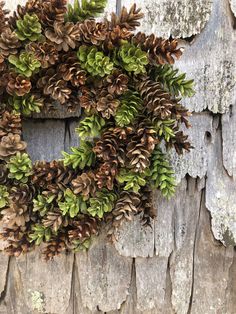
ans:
(115, 37)
(70, 70)
(53, 10)
(18, 247)
(17, 84)
(180, 143)
(116, 83)
(107, 104)
(15, 215)
(9, 43)
(83, 228)
(45, 52)
(73, 103)
(107, 147)
(126, 206)
(3, 174)
(54, 247)
(55, 220)
(11, 144)
(123, 133)
(106, 174)
(157, 101)
(93, 32)
(146, 206)
(22, 194)
(85, 184)
(52, 176)
(181, 113)
(10, 123)
(3, 66)
(64, 36)
(54, 86)
(160, 50)
(88, 99)
(3, 16)
(140, 147)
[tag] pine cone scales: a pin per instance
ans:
(160, 50)
(93, 32)
(63, 36)
(3, 16)
(11, 144)
(116, 83)
(10, 123)
(157, 101)
(45, 52)
(15, 215)
(127, 19)
(17, 84)
(126, 207)
(83, 229)
(9, 43)
(54, 247)
(107, 104)
(22, 194)
(55, 220)
(85, 184)
(52, 10)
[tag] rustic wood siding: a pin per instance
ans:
(180, 264)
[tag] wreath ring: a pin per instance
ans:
(129, 92)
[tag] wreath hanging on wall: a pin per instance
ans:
(130, 95)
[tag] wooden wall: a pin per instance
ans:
(185, 264)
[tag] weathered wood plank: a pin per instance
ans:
(45, 139)
(104, 276)
(233, 6)
(176, 18)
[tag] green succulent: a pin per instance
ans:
(28, 28)
(26, 64)
(94, 61)
(102, 203)
(43, 204)
(161, 173)
(81, 157)
(72, 204)
(174, 82)
(132, 58)
(133, 180)
(87, 9)
(90, 127)
(165, 128)
(81, 245)
(40, 234)
(26, 104)
(130, 106)
(3, 196)
(20, 167)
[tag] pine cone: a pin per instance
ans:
(52, 176)
(88, 99)
(3, 68)
(128, 20)
(15, 215)
(157, 100)
(3, 16)
(54, 86)
(55, 220)
(93, 32)
(106, 174)
(10, 123)
(53, 10)
(139, 149)
(180, 143)
(18, 247)
(64, 36)
(84, 184)
(146, 206)
(107, 104)
(115, 37)
(54, 247)
(116, 83)
(17, 84)
(70, 70)
(11, 144)
(22, 194)
(45, 52)
(9, 43)
(107, 148)
(160, 50)
(83, 229)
